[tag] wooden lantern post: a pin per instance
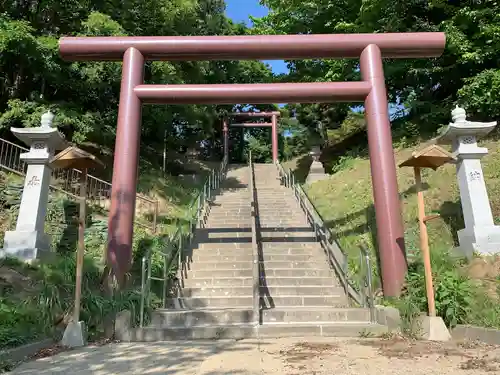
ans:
(430, 157)
(73, 157)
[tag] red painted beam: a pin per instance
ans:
(255, 114)
(318, 92)
(253, 47)
(252, 125)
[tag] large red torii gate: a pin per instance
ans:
(369, 48)
(273, 125)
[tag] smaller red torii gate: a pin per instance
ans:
(273, 124)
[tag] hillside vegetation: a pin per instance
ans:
(345, 200)
(466, 292)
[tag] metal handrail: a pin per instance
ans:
(336, 256)
(173, 258)
(98, 191)
(255, 249)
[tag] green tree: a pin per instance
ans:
(85, 94)
(466, 73)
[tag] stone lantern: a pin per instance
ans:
(480, 233)
(28, 241)
(316, 170)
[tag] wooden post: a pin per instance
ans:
(424, 244)
(81, 245)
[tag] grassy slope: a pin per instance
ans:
(465, 293)
(345, 200)
(175, 195)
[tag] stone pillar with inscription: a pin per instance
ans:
(28, 241)
(480, 234)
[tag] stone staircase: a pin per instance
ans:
(299, 293)
(215, 297)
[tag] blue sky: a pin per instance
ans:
(240, 11)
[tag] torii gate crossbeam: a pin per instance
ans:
(369, 48)
(273, 125)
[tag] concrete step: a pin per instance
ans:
(272, 187)
(231, 217)
(202, 332)
(210, 291)
(201, 303)
(222, 247)
(208, 257)
(287, 205)
(285, 221)
(216, 251)
(229, 205)
(166, 318)
(314, 314)
(286, 232)
(286, 208)
(229, 214)
(233, 194)
(241, 197)
(300, 281)
(223, 239)
(201, 273)
(300, 290)
(280, 237)
(296, 272)
(248, 281)
(228, 249)
(273, 190)
(218, 282)
(277, 246)
(204, 254)
(242, 331)
(315, 264)
(216, 221)
(224, 213)
(210, 224)
(224, 209)
(221, 265)
(282, 222)
(273, 301)
(333, 329)
(281, 217)
(273, 291)
(233, 225)
(215, 234)
(248, 256)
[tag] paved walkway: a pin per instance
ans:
(316, 356)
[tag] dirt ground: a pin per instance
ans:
(314, 356)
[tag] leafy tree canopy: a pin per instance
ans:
(467, 73)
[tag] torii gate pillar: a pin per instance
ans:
(225, 132)
(274, 139)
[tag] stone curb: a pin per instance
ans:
(466, 332)
(389, 317)
(22, 352)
